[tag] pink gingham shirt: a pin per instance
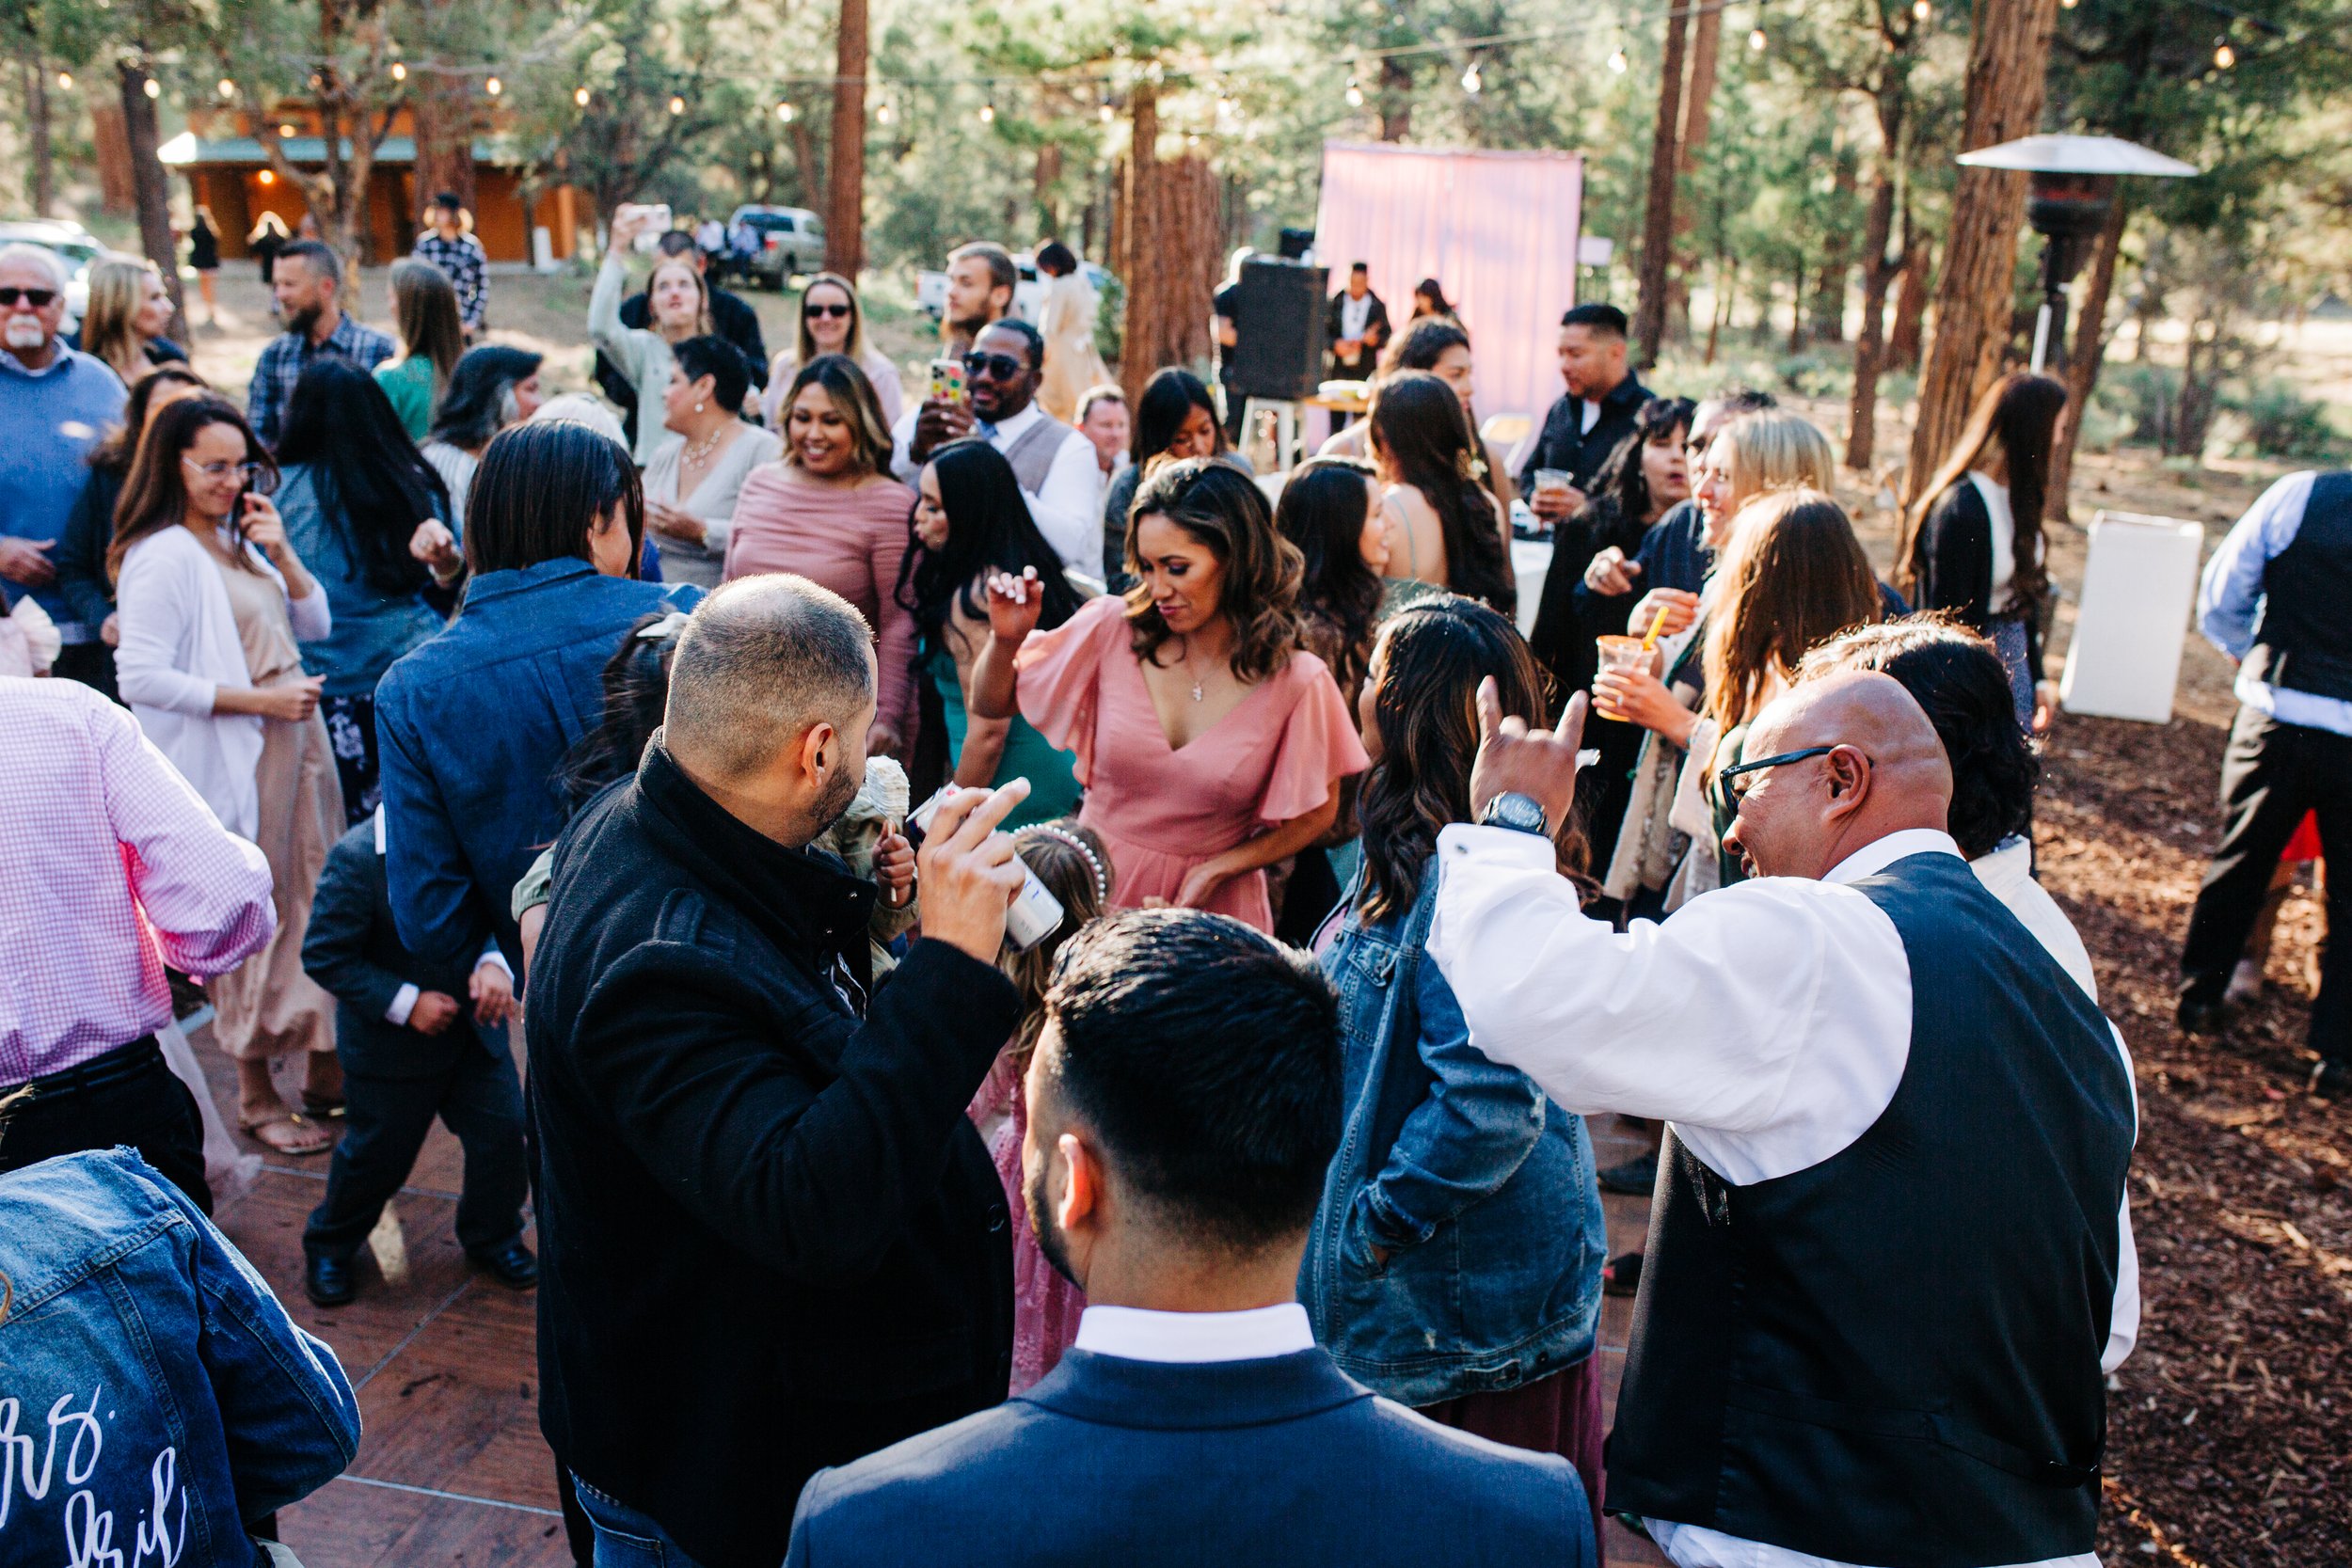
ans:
(111, 866)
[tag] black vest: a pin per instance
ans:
(1892, 1356)
(2303, 637)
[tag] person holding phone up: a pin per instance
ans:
(212, 597)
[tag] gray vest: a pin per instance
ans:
(1032, 452)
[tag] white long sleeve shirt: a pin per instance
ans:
(1769, 1023)
(1067, 507)
(2230, 596)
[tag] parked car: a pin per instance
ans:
(1028, 295)
(74, 245)
(791, 240)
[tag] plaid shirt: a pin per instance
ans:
(467, 267)
(290, 353)
(115, 867)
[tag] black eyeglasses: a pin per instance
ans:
(1731, 796)
(826, 309)
(40, 299)
(996, 367)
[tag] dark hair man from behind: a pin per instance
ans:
(1185, 1102)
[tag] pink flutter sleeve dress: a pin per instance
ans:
(1163, 811)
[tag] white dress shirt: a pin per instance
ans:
(1769, 1023)
(1135, 1334)
(2230, 593)
(1067, 508)
(1354, 314)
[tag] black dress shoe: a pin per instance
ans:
(329, 1281)
(510, 1265)
(1637, 1177)
(2331, 1079)
(2200, 1017)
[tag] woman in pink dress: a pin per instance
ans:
(829, 511)
(1210, 743)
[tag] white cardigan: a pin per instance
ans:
(179, 646)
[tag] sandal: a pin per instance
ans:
(326, 1107)
(301, 1136)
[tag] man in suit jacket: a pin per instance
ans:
(1184, 1104)
(410, 1052)
(1355, 324)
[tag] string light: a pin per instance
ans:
(65, 80)
(1923, 9)
(1617, 61)
(154, 89)
(1106, 113)
(2223, 55)
(2069, 5)
(1192, 138)
(785, 112)
(885, 113)
(1472, 81)
(1756, 39)
(285, 131)
(1355, 93)
(988, 114)
(400, 71)
(1225, 107)
(494, 87)
(677, 104)
(267, 177)
(580, 96)
(228, 88)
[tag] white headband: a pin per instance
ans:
(1101, 882)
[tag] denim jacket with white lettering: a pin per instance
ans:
(155, 1397)
(1479, 1189)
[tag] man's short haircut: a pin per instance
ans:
(1359, 266)
(448, 201)
(1606, 320)
(675, 242)
(314, 254)
(1736, 400)
(761, 660)
(1106, 392)
(1205, 1057)
(48, 260)
(1959, 680)
(1028, 335)
(1002, 273)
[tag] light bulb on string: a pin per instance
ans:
(400, 71)
(1923, 10)
(1355, 93)
(1106, 113)
(1617, 62)
(885, 113)
(580, 96)
(286, 131)
(988, 114)
(227, 89)
(786, 112)
(494, 87)
(153, 87)
(267, 177)
(1756, 39)
(65, 80)
(2223, 55)
(1192, 138)
(1472, 80)
(2068, 5)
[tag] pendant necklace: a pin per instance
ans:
(1189, 671)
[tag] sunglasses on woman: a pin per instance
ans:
(826, 309)
(40, 299)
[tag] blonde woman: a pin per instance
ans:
(432, 340)
(678, 304)
(1073, 363)
(129, 312)
(832, 321)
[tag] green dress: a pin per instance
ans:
(1052, 785)
(409, 384)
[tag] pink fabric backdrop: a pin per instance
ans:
(1497, 230)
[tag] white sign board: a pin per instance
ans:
(2138, 587)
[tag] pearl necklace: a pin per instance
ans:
(698, 451)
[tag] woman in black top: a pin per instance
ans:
(204, 259)
(1973, 544)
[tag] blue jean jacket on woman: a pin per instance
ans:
(1478, 1187)
(155, 1397)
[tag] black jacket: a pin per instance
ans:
(1565, 444)
(1376, 335)
(769, 1239)
(352, 951)
(1955, 565)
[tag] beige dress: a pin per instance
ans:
(268, 1007)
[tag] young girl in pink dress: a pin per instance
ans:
(1072, 862)
(1210, 743)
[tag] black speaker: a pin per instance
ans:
(1278, 318)
(1295, 243)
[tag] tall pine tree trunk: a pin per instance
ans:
(2008, 60)
(1396, 98)
(845, 191)
(1658, 220)
(441, 105)
(1910, 299)
(154, 194)
(1698, 101)
(44, 182)
(1139, 235)
(2091, 347)
(1878, 275)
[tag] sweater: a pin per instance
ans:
(769, 1239)
(55, 416)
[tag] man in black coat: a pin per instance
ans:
(409, 1053)
(772, 1240)
(1356, 324)
(731, 317)
(1593, 414)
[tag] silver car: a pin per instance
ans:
(769, 245)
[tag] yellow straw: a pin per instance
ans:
(1656, 624)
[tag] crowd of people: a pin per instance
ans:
(1039, 951)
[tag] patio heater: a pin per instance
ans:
(2072, 190)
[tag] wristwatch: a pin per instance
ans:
(1523, 813)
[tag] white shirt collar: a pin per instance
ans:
(1135, 1334)
(2007, 865)
(1877, 855)
(1008, 430)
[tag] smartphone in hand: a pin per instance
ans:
(948, 382)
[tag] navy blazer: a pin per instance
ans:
(1279, 1460)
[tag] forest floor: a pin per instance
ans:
(2225, 1445)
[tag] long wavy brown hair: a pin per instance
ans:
(1792, 576)
(1426, 671)
(2021, 412)
(1077, 869)
(1418, 426)
(1223, 508)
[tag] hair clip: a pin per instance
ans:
(1102, 882)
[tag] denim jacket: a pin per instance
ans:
(1480, 1188)
(155, 1397)
(372, 627)
(472, 725)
